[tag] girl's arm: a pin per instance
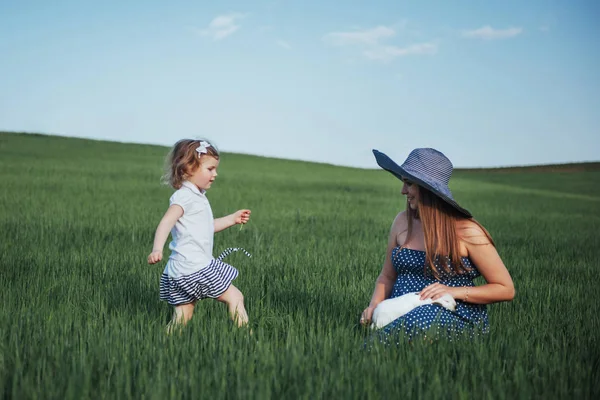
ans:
(162, 232)
(499, 285)
(386, 279)
(238, 217)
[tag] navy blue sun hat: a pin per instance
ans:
(426, 167)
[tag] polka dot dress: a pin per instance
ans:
(432, 320)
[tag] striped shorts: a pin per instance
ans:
(210, 282)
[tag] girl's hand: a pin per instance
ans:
(367, 314)
(435, 291)
(241, 216)
(155, 257)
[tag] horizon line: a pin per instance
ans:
(479, 168)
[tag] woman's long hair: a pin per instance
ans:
(442, 240)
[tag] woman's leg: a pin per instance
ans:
(235, 302)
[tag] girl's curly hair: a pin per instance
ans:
(183, 160)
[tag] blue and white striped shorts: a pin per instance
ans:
(210, 282)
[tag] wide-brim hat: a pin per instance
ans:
(426, 167)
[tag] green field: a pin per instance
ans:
(80, 316)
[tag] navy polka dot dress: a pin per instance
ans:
(432, 320)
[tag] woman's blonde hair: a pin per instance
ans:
(183, 160)
(442, 241)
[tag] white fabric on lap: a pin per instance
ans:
(392, 309)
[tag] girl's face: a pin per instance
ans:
(206, 173)
(411, 191)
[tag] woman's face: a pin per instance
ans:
(411, 191)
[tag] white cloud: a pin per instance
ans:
(284, 44)
(487, 32)
(385, 53)
(370, 40)
(368, 37)
(222, 26)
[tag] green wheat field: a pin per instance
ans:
(80, 316)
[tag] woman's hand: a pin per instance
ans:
(367, 314)
(437, 290)
(241, 216)
(155, 257)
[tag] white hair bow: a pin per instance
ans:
(202, 148)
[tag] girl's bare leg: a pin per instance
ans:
(181, 315)
(235, 302)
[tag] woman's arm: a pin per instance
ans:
(238, 217)
(386, 279)
(499, 285)
(162, 232)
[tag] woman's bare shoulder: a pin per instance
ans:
(400, 222)
(472, 232)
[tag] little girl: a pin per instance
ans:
(192, 274)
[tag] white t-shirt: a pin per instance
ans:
(193, 233)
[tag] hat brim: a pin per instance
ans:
(389, 165)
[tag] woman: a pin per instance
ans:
(435, 247)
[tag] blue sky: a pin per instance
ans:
(489, 83)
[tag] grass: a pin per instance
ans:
(80, 316)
